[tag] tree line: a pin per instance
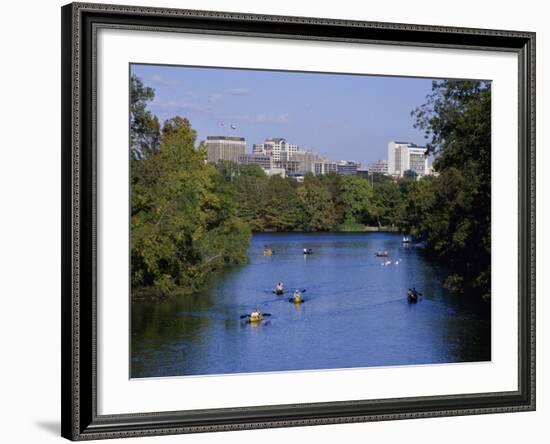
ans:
(320, 203)
(189, 218)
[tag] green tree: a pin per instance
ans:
(455, 216)
(280, 205)
(318, 212)
(249, 192)
(356, 194)
(184, 225)
(388, 205)
(144, 126)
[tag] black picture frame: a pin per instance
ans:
(80, 22)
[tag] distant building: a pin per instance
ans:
(266, 162)
(405, 156)
(292, 167)
(325, 166)
(276, 147)
(347, 167)
(307, 160)
(363, 172)
(378, 167)
(220, 148)
(275, 172)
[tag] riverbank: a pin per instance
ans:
(341, 229)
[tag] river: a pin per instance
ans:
(355, 312)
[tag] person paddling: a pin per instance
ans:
(279, 288)
(255, 315)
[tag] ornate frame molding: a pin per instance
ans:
(80, 22)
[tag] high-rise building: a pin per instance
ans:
(378, 167)
(276, 147)
(291, 167)
(263, 160)
(220, 148)
(405, 156)
(306, 159)
(347, 167)
(325, 166)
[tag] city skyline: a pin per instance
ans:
(339, 116)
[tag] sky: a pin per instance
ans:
(339, 116)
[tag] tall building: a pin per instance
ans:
(276, 147)
(306, 159)
(378, 167)
(347, 167)
(325, 166)
(405, 156)
(263, 160)
(291, 167)
(224, 148)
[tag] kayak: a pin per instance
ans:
(413, 299)
(279, 292)
(255, 319)
(296, 300)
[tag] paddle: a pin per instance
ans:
(284, 291)
(248, 316)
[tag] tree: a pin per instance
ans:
(388, 205)
(184, 224)
(356, 194)
(318, 212)
(249, 191)
(454, 217)
(280, 205)
(144, 126)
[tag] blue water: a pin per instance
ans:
(355, 312)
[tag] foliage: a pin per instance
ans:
(317, 209)
(452, 212)
(190, 218)
(184, 223)
(357, 199)
(144, 126)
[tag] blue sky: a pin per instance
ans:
(339, 116)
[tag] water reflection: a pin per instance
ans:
(355, 312)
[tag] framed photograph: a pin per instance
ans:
(281, 221)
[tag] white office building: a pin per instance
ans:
(347, 167)
(378, 167)
(405, 156)
(277, 147)
(306, 159)
(325, 166)
(220, 148)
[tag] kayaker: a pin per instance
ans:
(255, 314)
(279, 288)
(297, 295)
